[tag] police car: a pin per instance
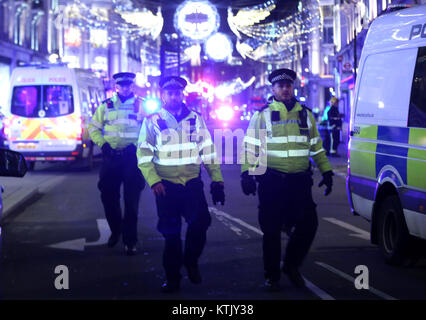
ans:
(387, 148)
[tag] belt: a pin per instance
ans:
(118, 153)
(288, 175)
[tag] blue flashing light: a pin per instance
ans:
(152, 105)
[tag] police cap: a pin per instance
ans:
(282, 75)
(173, 82)
(124, 77)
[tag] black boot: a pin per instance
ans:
(194, 275)
(295, 277)
(113, 239)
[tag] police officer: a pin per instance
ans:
(334, 126)
(172, 143)
(115, 128)
(290, 139)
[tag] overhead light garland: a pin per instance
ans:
(278, 42)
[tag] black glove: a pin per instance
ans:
(218, 195)
(328, 181)
(248, 184)
(130, 150)
(106, 149)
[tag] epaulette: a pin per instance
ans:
(305, 107)
(109, 103)
(199, 113)
(151, 115)
(264, 107)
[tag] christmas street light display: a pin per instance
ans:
(196, 19)
(277, 42)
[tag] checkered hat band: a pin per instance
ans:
(172, 82)
(282, 77)
(124, 79)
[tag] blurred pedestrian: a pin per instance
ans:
(334, 126)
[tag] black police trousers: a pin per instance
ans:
(285, 203)
(190, 203)
(117, 170)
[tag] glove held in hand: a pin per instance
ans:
(217, 192)
(248, 184)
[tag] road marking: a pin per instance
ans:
(239, 221)
(359, 233)
(80, 244)
(352, 279)
(316, 290)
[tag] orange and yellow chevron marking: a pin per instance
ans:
(47, 128)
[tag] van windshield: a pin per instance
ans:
(42, 101)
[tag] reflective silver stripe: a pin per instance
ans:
(91, 130)
(96, 124)
(277, 140)
(145, 159)
(206, 143)
(268, 124)
(314, 140)
(298, 153)
(278, 153)
(316, 152)
(210, 156)
(130, 122)
(176, 147)
(176, 162)
(121, 134)
(146, 145)
(309, 121)
(297, 139)
(252, 140)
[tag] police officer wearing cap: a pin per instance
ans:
(172, 144)
(290, 139)
(115, 128)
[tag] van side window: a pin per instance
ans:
(417, 112)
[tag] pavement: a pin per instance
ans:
(18, 191)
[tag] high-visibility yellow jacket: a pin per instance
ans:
(173, 150)
(116, 122)
(280, 136)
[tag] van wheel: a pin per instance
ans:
(393, 233)
(31, 165)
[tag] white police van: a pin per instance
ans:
(48, 112)
(387, 147)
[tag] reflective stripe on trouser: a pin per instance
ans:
(188, 201)
(113, 173)
(286, 202)
(334, 140)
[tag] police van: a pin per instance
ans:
(387, 148)
(48, 112)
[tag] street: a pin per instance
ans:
(64, 225)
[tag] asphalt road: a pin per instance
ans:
(65, 226)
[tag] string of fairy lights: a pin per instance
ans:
(276, 42)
